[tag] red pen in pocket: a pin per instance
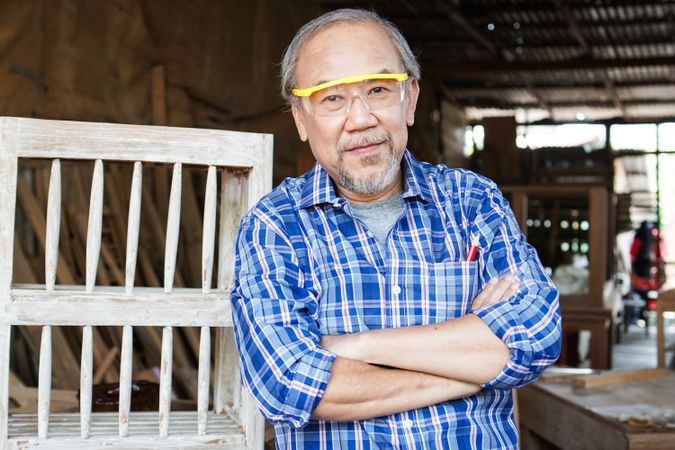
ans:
(473, 250)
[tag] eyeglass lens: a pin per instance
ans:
(376, 94)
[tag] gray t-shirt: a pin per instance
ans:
(379, 217)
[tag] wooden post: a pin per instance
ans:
(172, 228)
(125, 380)
(45, 381)
(165, 382)
(133, 226)
(53, 225)
(94, 225)
(203, 380)
(86, 370)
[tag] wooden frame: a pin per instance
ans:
(580, 311)
(244, 162)
(665, 302)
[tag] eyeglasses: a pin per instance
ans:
(334, 98)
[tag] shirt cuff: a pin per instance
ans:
(308, 385)
(504, 321)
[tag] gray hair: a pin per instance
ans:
(290, 59)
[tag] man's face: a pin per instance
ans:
(360, 149)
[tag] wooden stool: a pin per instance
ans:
(665, 303)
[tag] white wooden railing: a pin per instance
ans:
(243, 160)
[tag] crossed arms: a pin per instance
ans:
(429, 364)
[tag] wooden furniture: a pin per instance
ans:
(575, 216)
(239, 167)
(630, 415)
(664, 303)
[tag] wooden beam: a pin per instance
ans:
(618, 377)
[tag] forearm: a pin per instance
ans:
(358, 391)
(462, 349)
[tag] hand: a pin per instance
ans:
(496, 290)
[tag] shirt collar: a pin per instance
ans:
(319, 186)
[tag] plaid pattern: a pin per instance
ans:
(305, 267)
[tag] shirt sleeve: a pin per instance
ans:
(282, 365)
(529, 323)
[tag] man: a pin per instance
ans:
(381, 302)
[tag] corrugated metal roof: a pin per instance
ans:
(605, 59)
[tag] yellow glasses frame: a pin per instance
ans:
(306, 92)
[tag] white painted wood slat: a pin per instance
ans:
(86, 380)
(165, 381)
(203, 380)
(133, 226)
(172, 227)
(125, 380)
(78, 308)
(44, 381)
(209, 231)
(231, 211)
(49, 139)
(94, 225)
(53, 224)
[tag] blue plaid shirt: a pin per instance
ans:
(306, 267)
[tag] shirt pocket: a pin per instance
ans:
(441, 291)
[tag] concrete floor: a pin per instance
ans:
(637, 350)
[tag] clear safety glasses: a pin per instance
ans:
(334, 98)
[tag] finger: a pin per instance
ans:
(502, 287)
(512, 290)
(495, 290)
(482, 295)
(498, 292)
(488, 288)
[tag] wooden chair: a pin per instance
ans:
(665, 303)
(244, 163)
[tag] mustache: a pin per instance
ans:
(363, 140)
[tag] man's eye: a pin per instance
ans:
(332, 98)
(378, 90)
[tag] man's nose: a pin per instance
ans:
(358, 113)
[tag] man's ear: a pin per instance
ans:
(299, 121)
(413, 95)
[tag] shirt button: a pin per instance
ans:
(396, 290)
(407, 423)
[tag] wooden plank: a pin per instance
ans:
(105, 365)
(566, 425)
(165, 382)
(618, 377)
(53, 225)
(86, 379)
(94, 225)
(115, 308)
(133, 226)
(8, 175)
(223, 432)
(49, 139)
(5, 341)
(231, 211)
(45, 381)
(208, 234)
(36, 217)
(23, 271)
(203, 380)
(172, 228)
(125, 380)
